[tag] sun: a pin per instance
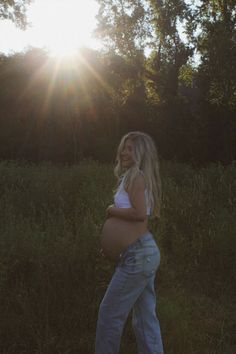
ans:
(63, 26)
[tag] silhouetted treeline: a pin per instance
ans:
(63, 111)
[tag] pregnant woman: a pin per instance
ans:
(126, 239)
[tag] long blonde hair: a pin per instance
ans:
(146, 160)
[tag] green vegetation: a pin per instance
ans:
(52, 277)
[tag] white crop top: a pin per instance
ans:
(121, 198)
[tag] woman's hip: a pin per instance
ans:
(141, 256)
(145, 243)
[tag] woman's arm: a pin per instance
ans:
(137, 199)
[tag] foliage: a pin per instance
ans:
(216, 44)
(14, 10)
(122, 25)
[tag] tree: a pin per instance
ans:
(170, 53)
(217, 74)
(14, 10)
(122, 25)
(217, 47)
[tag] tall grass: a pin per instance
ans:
(52, 277)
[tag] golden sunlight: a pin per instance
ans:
(64, 25)
(61, 26)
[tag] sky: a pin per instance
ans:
(62, 26)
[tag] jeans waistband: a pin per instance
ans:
(146, 237)
(146, 240)
(142, 240)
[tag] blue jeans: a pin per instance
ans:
(131, 287)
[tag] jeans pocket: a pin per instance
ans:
(149, 262)
(129, 259)
(140, 260)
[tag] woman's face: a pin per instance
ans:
(126, 155)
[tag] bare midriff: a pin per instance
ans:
(118, 234)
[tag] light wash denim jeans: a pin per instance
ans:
(131, 287)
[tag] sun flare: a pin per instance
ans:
(63, 25)
(60, 26)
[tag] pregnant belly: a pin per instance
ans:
(118, 234)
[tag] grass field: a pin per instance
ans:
(52, 277)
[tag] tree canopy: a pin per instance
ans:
(14, 10)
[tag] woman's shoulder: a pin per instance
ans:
(139, 180)
(141, 176)
(136, 180)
